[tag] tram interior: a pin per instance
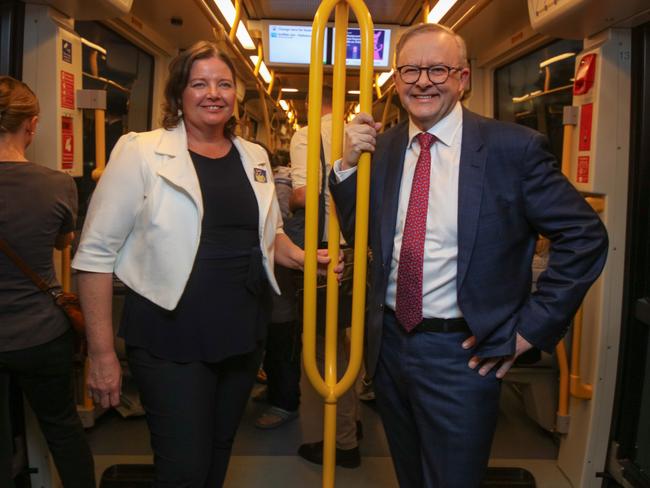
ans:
(518, 75)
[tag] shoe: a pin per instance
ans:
(261, 396)
(367, 393)
(346, 458)
(275, 417)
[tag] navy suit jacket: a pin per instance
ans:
(510, 191)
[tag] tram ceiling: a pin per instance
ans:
(402, 12)
(183, 23)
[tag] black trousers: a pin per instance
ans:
(282, 364)
(193, 411)
(44, 374)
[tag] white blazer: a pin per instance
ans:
(144, 219)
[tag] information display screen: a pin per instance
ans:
(291, 44)
(381, 47)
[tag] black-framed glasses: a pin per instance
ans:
(437, 74)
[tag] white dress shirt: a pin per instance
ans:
(298, 154)
(439, 297)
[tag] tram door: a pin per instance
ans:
(630, 446)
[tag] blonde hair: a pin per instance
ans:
(436, 28)
(17, 104)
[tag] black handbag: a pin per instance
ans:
(294, 226)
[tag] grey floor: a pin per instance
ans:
(268, 458)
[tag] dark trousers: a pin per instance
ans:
(439, 415)
(282, 364)
(193, 411)
(44, 374)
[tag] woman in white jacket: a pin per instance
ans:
(186, 216)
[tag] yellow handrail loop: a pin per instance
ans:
(328, 387)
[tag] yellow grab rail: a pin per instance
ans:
(329, 388)
(578, 388)
(560, 349)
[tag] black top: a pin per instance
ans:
(224, 308)
(36, 205)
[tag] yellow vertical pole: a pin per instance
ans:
(269, 89)
(425, 11)
(100, 144)
(563, 402)
(331, 328)
(260, 58)
(560, 349)
(389, 100)
(235, 24)
(377, 87)
(329, 388)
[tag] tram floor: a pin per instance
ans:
(267, 458)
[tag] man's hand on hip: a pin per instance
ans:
(504, 362)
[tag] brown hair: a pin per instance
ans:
(179, 72)
(17, 104)
(437, 28)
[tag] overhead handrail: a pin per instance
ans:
(471, 13)
(328, 387)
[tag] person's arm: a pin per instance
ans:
(115, 204)
(298, 198)
(360, 136)
(289, 255)
(63, 240)
(104, 372)
(577, 255)
(68, 225)
(298, 155)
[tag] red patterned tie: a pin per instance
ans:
(408, 306)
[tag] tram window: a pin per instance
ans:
(528, 94)
(126, 73)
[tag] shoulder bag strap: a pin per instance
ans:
(20, 264)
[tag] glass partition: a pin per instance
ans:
(533, 89)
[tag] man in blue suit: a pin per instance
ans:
(457, 204)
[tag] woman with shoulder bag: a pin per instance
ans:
(38, 208)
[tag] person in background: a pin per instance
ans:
(348, 425)
(38, 208)
(283, 344)
(187, 217)
(457, 202)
